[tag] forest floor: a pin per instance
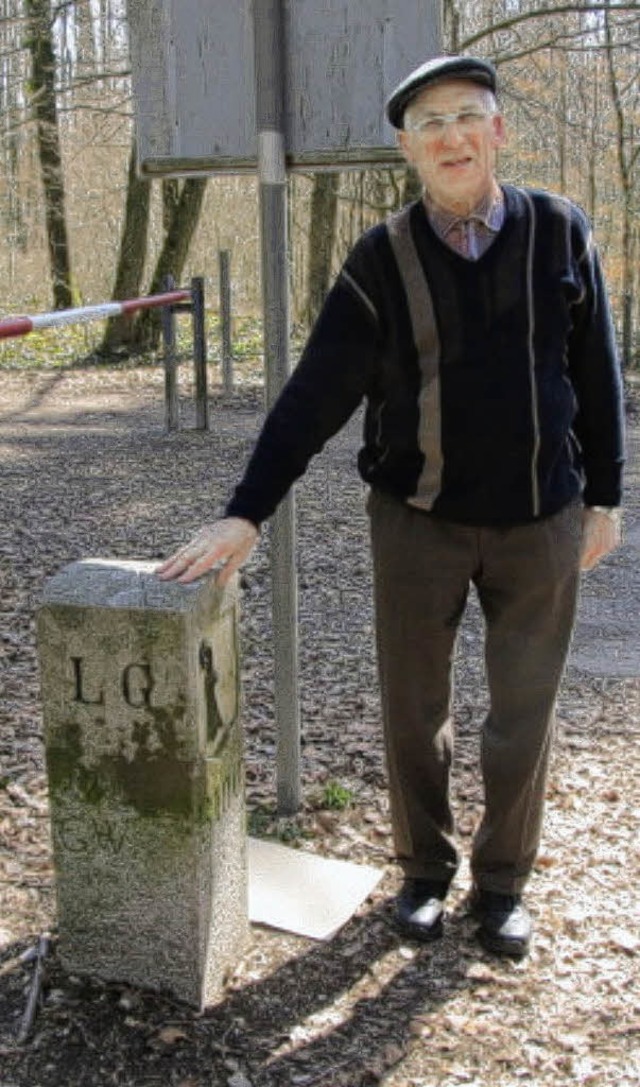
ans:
(87, 469)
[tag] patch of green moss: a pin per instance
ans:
(154, 783)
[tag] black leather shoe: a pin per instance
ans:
(419, 908)
(505, 922)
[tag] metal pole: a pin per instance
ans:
(269, 53)
(199, 352)
(169, 341)
(225, 320)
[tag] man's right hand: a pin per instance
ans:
(227, 542)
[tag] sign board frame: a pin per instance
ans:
(193, 70)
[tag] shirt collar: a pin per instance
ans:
(489, 211)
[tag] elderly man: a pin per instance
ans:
(476, 326)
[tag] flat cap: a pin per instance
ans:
(473, 68)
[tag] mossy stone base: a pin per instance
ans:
(144, 754)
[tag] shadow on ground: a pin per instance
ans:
(284, 1028)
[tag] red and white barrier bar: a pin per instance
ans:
(21, 326)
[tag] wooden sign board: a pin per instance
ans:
(194, 81)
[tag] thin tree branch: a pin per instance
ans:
(552, 44)
(543, 13)
(35, 990)
(107, 111)
(98, 77)
(13, 20)
(555, 41)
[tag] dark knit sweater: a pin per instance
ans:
(493, 387)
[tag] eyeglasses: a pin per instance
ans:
(468, 120)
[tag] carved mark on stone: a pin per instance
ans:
(136, 685)
(82, 836)
(80, 695)
(225, 782)
(217, 730)
(137, 694)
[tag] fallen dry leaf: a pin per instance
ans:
(479, 971)
(624, 940)
(170, 1036)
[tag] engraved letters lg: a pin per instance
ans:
(136, 685)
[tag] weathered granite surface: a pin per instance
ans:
(140, 694)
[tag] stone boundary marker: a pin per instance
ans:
(140, 693)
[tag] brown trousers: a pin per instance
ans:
(527, 581)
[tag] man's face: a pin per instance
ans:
(456, 162)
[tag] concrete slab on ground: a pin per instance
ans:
(303, 893)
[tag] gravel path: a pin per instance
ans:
(87, 470)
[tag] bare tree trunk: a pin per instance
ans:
(322, 229)
(131, 260)
(627, 157)
(172, 259)
(103, 18)
(43, 98)
(65, 53)
(85, 37)
(170, 201)
(592, 149)
(12, 141)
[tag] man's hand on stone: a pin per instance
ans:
(601, 534)
(227, 542)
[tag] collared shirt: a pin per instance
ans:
(472, 234)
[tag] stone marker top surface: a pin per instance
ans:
(123, 583)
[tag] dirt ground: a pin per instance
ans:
(88, 470)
